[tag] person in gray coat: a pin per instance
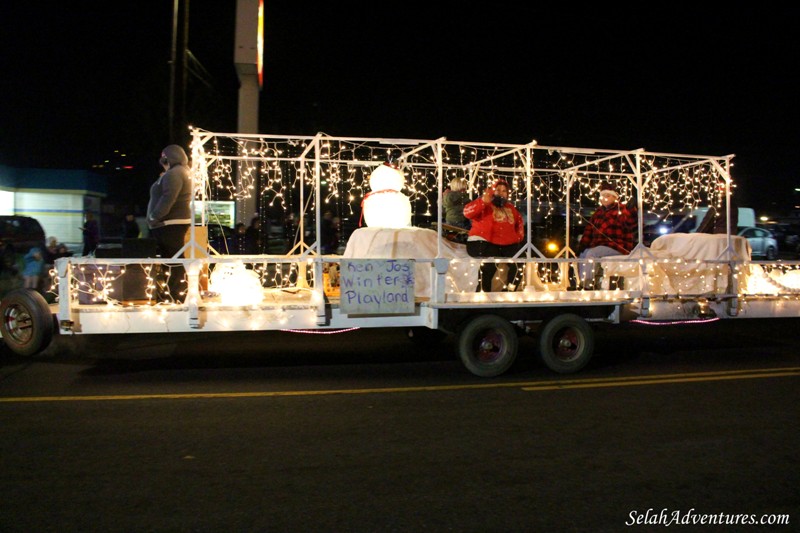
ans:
(169, 212)
(454, 200)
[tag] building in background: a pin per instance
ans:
(56, 198)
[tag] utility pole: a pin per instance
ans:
(179, 57)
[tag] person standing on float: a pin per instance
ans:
(169, 212)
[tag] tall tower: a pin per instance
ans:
(248, 56)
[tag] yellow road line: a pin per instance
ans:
(554, 384)
(648, 381)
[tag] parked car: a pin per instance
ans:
(762, 243)
(666, 224)
(787, 235)
(18, 234)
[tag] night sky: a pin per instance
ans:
(80, 82)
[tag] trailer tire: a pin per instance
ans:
(566, 343)
(487, 345)
(26, 322)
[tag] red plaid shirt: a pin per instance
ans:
(611, 226)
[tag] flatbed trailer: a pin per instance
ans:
(431, 283)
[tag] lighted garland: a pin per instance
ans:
(96, 282)
(281, 167)
(557, 176)
(284, 277)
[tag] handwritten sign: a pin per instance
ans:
(377, 286)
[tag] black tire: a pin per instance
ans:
(26, 322)
(771, 254)
(566, 343)
(487, 345)
(423, 336)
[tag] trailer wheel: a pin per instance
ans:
(487, 345)
(566, 343)
(26, 322)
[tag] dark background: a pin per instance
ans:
(80, 83)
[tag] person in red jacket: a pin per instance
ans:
(609, 232)
(497, 231)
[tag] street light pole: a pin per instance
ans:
(183, 132)
(172, 58)
(178, 72)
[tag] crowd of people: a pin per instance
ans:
(249, 240)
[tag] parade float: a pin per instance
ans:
(398, 269)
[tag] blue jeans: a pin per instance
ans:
(588, 271)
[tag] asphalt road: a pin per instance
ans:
(364, 431)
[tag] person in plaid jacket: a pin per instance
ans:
(609, 232)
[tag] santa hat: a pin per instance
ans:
(606, 186)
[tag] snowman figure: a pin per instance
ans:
(386, 206)
(236, 285)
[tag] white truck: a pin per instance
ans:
(409, 276)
